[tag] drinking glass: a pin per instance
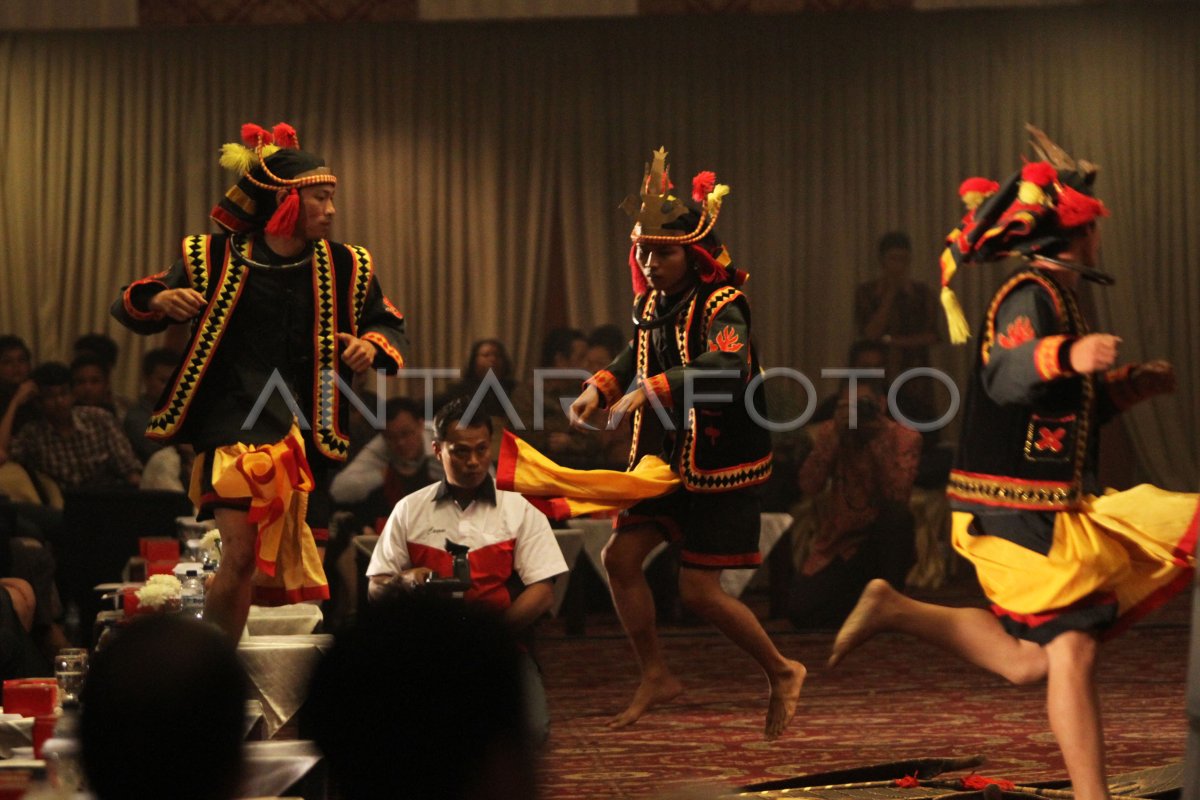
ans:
(70, 668)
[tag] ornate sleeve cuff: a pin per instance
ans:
(384, 347)
(606, 383)
(658, 386)
(1052, 357)
(127, 299)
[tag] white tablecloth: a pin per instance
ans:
(298, 618)
(279, 668)
(570, 541)
(596, 533)
(271, 767)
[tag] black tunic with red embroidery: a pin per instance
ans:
(268, 335)
(1026, 473)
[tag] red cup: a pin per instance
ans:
(159, 548)
(129, 600)
(14, 783)
(43, 729)
(30, 697)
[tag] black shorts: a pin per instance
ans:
(715, 530)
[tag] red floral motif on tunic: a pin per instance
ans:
(1019, 331)
(727, 341)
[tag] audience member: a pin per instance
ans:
(552, 435)
(19, 656)
(444, 720)
(91, 385)
(895, 310)
(163, 713)
(859, 479)
(99, 345)
(158, 365)
(486, 355)
(391, 466)
(864, 354)
(504, 532)
(15, 366)
(76, 447)
(605, 343)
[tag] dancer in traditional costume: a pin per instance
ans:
(280, 316)
(1064, 564)
(697, 452)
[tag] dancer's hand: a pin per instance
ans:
(1095, 352)
(587, 404)
(178, 304)
(412, 578)
(627, 405)
(357, 354)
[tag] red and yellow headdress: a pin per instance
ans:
(1035, 212)
(267, 161)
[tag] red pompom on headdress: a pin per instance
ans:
(254, 135)
(1039, 173)
(984, 186)
(284, 135)
(1076, 208)
(702, 185)
(283, 221)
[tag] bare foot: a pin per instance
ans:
(651, 692)
(864, 621)
(785, 694)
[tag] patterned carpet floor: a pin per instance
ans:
(894, 699)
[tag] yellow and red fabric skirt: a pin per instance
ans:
(1100, 568)
(271, 483)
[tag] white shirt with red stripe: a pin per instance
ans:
(504, 532)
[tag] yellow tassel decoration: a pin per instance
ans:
(237, 158)
(269, 150)
(956, 320)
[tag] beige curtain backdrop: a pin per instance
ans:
(476, 160)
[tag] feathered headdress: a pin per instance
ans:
(1032, 213)
(266, 162)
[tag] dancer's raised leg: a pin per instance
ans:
(972, 633)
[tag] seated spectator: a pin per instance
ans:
(391, 466)
(864, 354)
(444, 721)
(604, 344)
(505, 534)
(163, 711)
(859, 481)
(76, 447)
(158, 366)
(487, 355)
(562, 349)
(100, 345)
(15, 366)
(19, 656)
(91, 385)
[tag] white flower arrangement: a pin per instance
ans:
(160, 591)
(210, 543)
